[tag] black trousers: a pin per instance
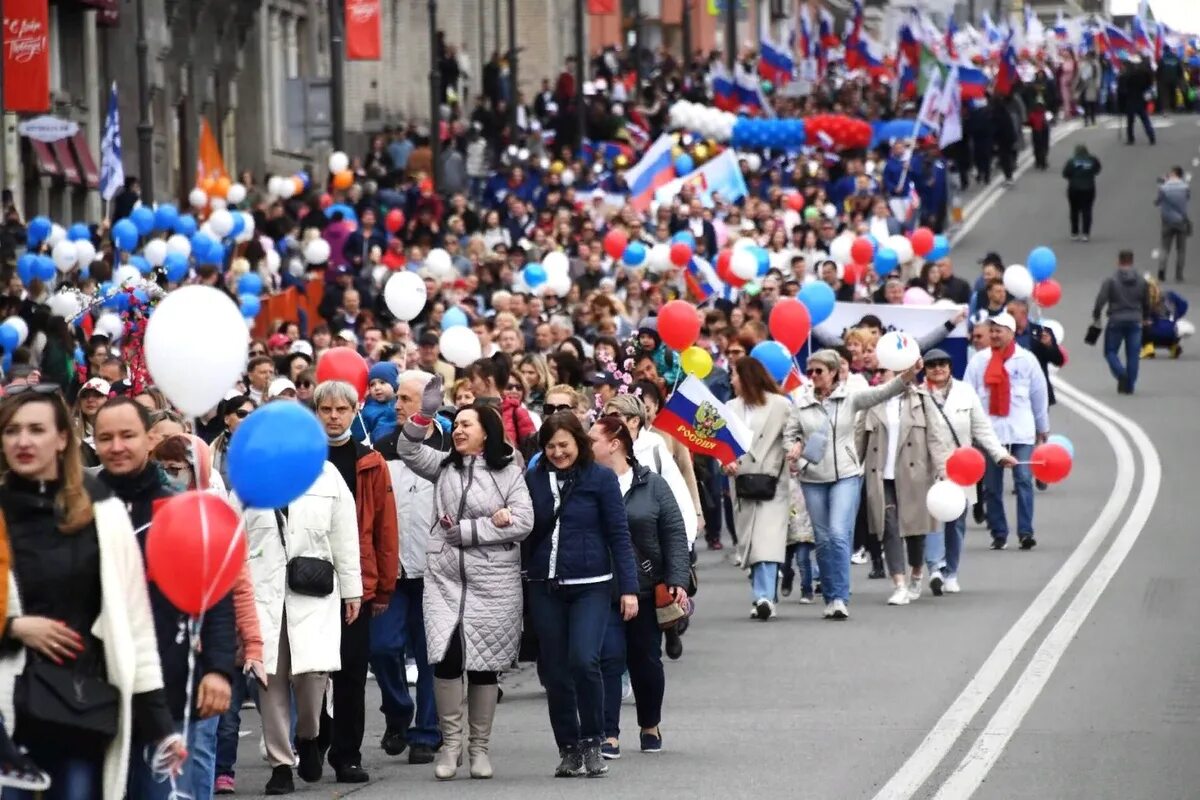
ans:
(450, 668)
(1089, 112)
(343, 734)
(1081, 201)
(1041, 147)
(1137, 110)
(1008, 159)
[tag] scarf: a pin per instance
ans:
(995, 377)
(338, 441)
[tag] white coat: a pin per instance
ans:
(320, 524)
(125, 627)
(651, 451)
(969, 424)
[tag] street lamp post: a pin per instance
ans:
(337, 78)
(687, 35)
(514, 82)
(580, 72)
(145, 128)
(435, 99)
(731, 36)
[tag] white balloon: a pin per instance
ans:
(22, 328)
(195, 347)
(897, 351)
(85, 252)
(743, 264)
(178, 243)
(405, 295)
(216, 203)
(1060, 333)
(236, 193)
(286, 187)
(127, 275)
(946, 501)
(57, 234)
(659, 258)
(839, 248)
(460, 346)
(317, 251)
(273, 186)
(273, 261)
(1018, 282)
(559, 283)
(568, 177)
(110, 325)
(754, 161)
(65, 255)
(248, 219)
(208, 231)
(197, 198)
(339, 161)
(556, 262)
(439, 263)
(221, 222)
(65, 305)
(155, 252)
(902, 246)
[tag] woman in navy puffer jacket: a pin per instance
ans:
(579, 546)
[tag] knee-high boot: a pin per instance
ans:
(448, 695)
(481, 710)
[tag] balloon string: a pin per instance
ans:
(359, 416)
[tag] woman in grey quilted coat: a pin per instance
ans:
(472, 595)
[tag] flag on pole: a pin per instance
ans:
(694, 416)
(931, 103)
(951, 110)
(209, 163)
(112, 171)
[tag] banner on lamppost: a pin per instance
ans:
(26, 27)
(363, 30)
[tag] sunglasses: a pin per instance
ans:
(257, 353)
(36, 388)
(175, 472)
(812, 372)
(550, 409)
(304, 385)
(242, 413)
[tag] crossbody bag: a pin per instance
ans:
(306, 575)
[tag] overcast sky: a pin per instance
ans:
(1181, 15)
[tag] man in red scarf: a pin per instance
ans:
(1013, 389)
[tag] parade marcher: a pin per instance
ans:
(1172, 200)
(400, 631)
(123, 447)
(1087, 87)
(579, 548)
(1012, 387)
(661, 550)
(759, 482)
(819, 436)
(233, 410)
(472, 597)
(1135, 88)
(1127, 300)
(68, 529)
(365, 474)
(91, 396)
(1080, 173)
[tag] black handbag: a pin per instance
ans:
(59, 696)
(756, 487)
(306, 575)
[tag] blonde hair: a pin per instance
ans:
(73, 503)
(538, 362)
(576, 397)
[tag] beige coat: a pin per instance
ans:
(920, 459)
(763, 526)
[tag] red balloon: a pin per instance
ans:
(1050, 463)
(862, 250)
(922, 241)
(681, 254)
(344, 364)
(1047, 293)
(678, 325)
(853, 273)
(790, 324)
(394, 220)
(723, 271)
(326, 200)
(965, 466)
(195, 549)
(615, 242)
(1066, 356)
(795, 201)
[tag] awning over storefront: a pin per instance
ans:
(87, 164)
(46, 164)
(70, 170)
(109, 11)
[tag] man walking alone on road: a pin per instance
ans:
(1172, 201)
(1128, 301)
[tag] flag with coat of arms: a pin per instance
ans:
(112, 171)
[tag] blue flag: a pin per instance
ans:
(112, 171)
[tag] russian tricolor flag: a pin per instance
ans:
(972, 81)
(694, 416)
(655, 169)
(1006, 74)
(774, 63)
(827, 36)
(749, 93)
(1116, 39)
(951, 50)
(724, 91)
(701, 279)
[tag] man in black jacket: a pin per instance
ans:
(1133, 87)
(123, 446)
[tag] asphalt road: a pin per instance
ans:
(1071, 704)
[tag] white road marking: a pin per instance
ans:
(1158, 122)
(976, 764)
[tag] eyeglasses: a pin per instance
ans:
(36, 388)
(513, 387)
(812, 372)
(550, 409)
(256, 353)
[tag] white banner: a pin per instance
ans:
(916, 321)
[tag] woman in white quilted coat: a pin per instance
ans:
(472, 600)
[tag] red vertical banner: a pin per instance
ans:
(601, 7)
(26, 55)
(363, 30)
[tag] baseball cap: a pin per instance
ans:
(303, 347)
(347, 335)
(278, 340)
(279, 386)
(97, 385)
(1005, 319)
(604, 378)
(428, 339)
(992, 258)
(937, 354)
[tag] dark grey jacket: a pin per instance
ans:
(660, 545)
(1125, 295)
(1172, 201)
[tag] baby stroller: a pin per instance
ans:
(1167, 326)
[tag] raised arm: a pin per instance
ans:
(421, 459)
(860, 401)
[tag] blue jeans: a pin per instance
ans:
(832, 507)
(637, 646)
(943, 549)
(72, 776)
(231, 724)
(199, 771)
(993, 479)
(570, 622)
(1129, 333)
(396, 633)
(809, 572)
(763, 580)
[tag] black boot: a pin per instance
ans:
(876, 568)
(310, 768)
(281, 781)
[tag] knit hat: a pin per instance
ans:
(384, 371)
(649, 326)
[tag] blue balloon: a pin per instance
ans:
(166, 217)
(764, 260)
(534, 275)
(1042, 263)
(37, 231)
(239, 225)
(250, 283)
(125, 234)
(1064, 442)
(80, 358)
(176, 266)
(886, 260)
(9, 337)
(684, 164)
(941, 248)
(143, 220)
(186, 225)
(454, 317)
(635, 254)
(250, 304)
(775, 357)
(276, 455)
(143, 266)
(78, 232)
(141, 295)
(685, 237)
(347, 212)
(27, 268)
(201, 244)
(305, 178)
(215, 255)
(818, 297)
(44, 270)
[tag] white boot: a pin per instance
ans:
(448, 695)
(481, 710)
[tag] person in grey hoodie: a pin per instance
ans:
(1128, 300)
(1172, 201)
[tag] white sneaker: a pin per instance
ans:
(914, 588)
(952, 586)
(828, 611)
(839, 610)
(899, 597)
(859, 557)
(764, 609)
